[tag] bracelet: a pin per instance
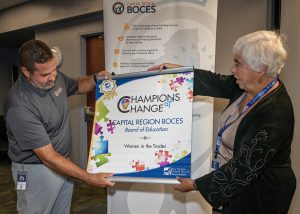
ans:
(95, 78)
(195, 186)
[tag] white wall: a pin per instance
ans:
(235, 19)
(290, 26)
(39, 12)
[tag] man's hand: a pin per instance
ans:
(100, 179)
(87, 83)
(164, 66)
(65, 166)
(186, 185)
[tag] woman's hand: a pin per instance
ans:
(186, 185)
(164, 66)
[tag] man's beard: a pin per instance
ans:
(46, 86)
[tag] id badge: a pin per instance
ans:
(21, 180)
(215, 164)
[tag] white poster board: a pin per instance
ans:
(144, 135)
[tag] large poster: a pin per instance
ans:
(142, 126)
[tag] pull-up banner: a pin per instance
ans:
(142, 33)
(142, 126)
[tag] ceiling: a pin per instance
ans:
(10, 3)
(16, 38)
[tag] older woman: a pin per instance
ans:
(252, 166)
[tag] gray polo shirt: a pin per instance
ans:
(36, 117)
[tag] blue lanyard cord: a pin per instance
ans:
(249, 104)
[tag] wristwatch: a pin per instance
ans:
(95, 78)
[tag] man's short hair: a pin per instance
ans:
(34, 51)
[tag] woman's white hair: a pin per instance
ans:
(262, 49)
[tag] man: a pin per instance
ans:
(37, 120)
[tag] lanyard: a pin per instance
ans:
(249, 104)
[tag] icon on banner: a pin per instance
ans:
(115, 64)
(118, 8)
(126, 26)
(108, 88)
(116, 51)
(121, 38)
(167, 171)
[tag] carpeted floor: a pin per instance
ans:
(86, 199)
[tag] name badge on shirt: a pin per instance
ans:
(215, 164)
(21, 180)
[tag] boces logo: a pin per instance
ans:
(118, 8)
(123, 104)
(134, 7)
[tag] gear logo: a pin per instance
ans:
(118, 8)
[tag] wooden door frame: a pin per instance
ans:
(83, 127)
